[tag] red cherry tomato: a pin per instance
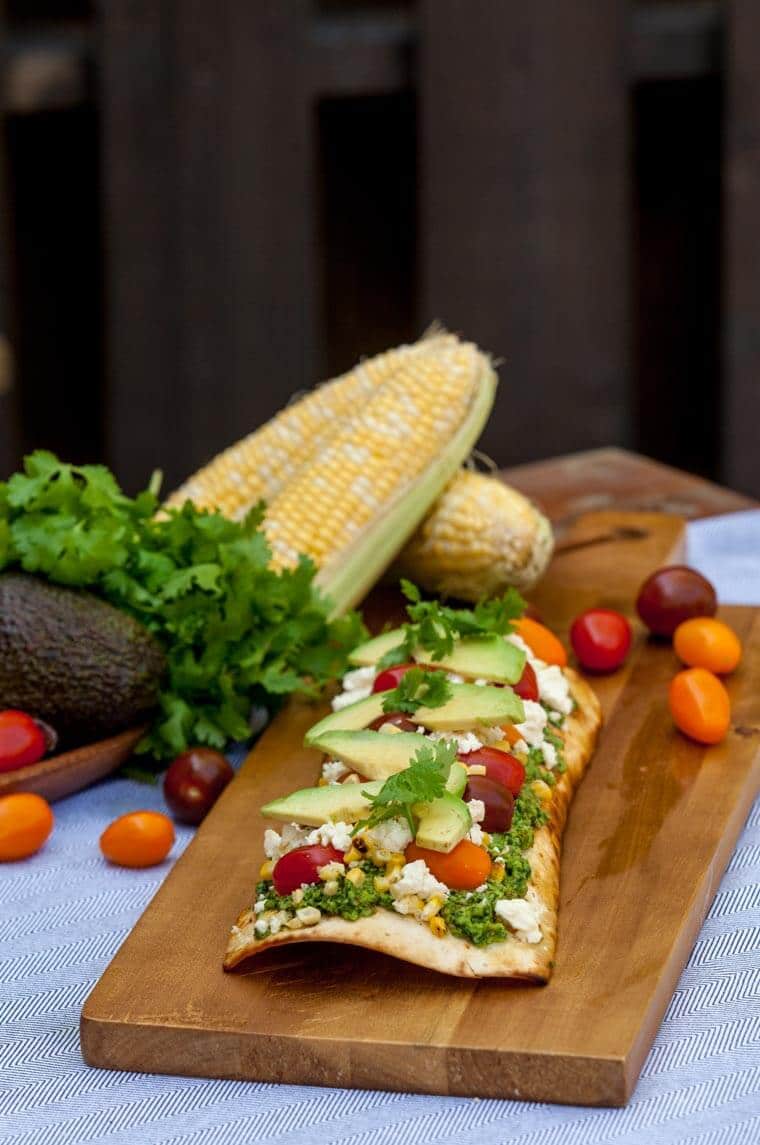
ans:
(194, 782)
(302, 866)
(672, 595)
(22, 740)
(601, 639)
(527, 686)
(498, 799)
(500, 766)
(390, 677)
(399, 720)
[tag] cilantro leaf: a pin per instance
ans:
(423, 780)
(418, 688)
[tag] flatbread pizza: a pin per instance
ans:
(434, 832)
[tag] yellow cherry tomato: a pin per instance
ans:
(25, 824)
(707, 643)
(139, 839)
(699, 705)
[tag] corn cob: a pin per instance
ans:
(355, 504)
(480, 537)
(259, 466)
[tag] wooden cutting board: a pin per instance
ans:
(650, 832)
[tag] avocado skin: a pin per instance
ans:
(74, 660)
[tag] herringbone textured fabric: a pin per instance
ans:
(63, 916)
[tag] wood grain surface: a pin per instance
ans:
(70, 771)
(649, 835)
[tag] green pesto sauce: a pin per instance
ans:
(350, 902)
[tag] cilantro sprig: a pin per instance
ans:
(234, 631)
(418, 688)
(435, 627)
(423, 780)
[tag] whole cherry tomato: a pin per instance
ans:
(25, 823)
(462, 869)
(527, 686)
(389, 678)
(699, 705)
(194, 782)
(672, 595)
(139, 839)
(399, 720)
(706, 643)
(601, 639)
(501, 766)
(542, 643)
(22, 740)
(302, 865)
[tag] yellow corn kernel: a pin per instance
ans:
(432, 906)
(476, 769)
(382, 884)
(297, 896)
(352, 856)
(355, 876)
(437, 925)
(265, 870)
(330, 872)
(497, 873)
(479, 538)
(486, 839)
(542, 789)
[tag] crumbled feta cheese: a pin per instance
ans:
(465, 741)
(554, 689)
(416, 879)
(409, 904)
(518, 642)
(520, 747)
(345, 699)
(392, 835)
(550, 754)
(259, 906)
(275, 846)
(357, 685)
(476, 835)
(491, 735)
(262, 927)
(522, 916)
(309, 915)
(454, 678)
(477, 810)
(532, 728)
(272, 844)
(333, 770)
(336, 835)
(277, 921)
(480, 683)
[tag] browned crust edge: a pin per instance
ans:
(407, 939)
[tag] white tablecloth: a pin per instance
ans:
(63, 916)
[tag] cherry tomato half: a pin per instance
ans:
(22, 740)
(302, 865)
(399, 720)
(25, 823)
(542, 643)
(672, 595)
(501, 766)
(389, 678)
(699, 705)
(462, 869)
(706, 643)
(497, 799)
(194, 782)
(139, 839)
(601, 639)
(527, 686)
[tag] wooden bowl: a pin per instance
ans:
(70, 771)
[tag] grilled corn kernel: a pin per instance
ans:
(322, 782)
(330, 872)
(294, 924)
(497, 873)
(432, 906)
(355, 876)
(382, 884)
(265, 870)
(352, 856)
(331, 888)
(542, 790)
(437, 926)
(485, 839)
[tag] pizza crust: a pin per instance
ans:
(412, 941)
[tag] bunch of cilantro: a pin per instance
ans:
(235, 632)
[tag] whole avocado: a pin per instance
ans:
(73, 660)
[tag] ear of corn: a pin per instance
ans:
(355, 504)
(480, 537)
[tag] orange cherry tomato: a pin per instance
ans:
(140, 839)
(706, 643)
(699, 705)
(511, 737)
(541, 641)
(463, 869)
(25, 823)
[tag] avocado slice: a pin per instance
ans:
(443, 822)
(71, 659)
(374, 754)
(352, 718)
(489, 656)
(471, 706)
(313, 806)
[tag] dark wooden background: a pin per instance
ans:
(207, 207)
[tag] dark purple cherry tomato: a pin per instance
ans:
(22, 740)
(390, 677)
(398, 719)
(527, 686)
(601, 639)
(194, 782)
(498, 799)
(672, 595)
(500, 766)
(302, 866)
